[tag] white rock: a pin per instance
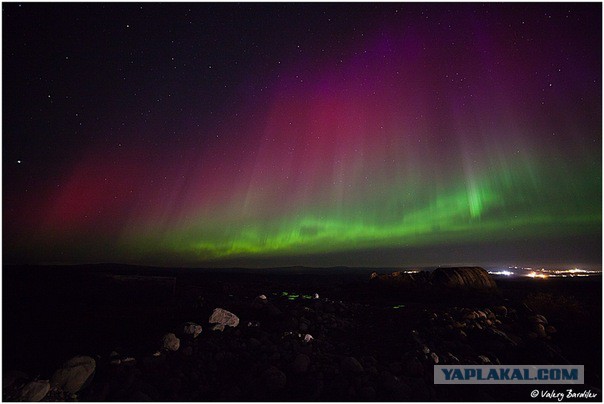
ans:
(224, 318)
(170, 342)
(74, 374)
(308, 338)
(35, 391)
(262, 297)
(315, 296)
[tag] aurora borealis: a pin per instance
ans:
(302, 134)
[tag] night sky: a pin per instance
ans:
(202, 134)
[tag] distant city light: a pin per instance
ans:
(544, 273)
(504, 273)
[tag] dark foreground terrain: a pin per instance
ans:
(372, 341)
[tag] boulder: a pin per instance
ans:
(414, 368)
(484, 360)
(350, 364)
(274, 379)
(272, 310)
(551, 329)
(300, 364)
(192, 329)
(170, 342)
(74, 374)
(259, 302)
(367, 393)
(538, 319)
(539, 329)
(501, 311)
(13, 377)
(223, 318)
(466, 278)
(35, 391)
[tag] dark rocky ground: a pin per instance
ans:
(372, 341)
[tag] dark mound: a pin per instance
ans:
(466, 278)
(440, 280)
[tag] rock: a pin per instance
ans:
(502, 336)
(170, 342)
(368, 361)
(192, 329)
(350, 364)
(484, 360)
(274, 379)
(467, 278)
(300, 364)
(308, 338)
(231, 394)
(367, 393)
(414, 367)
(452, 359)
(501, 311)
(272, 310)
(389, 381)
(259, 302)
(471, 316)
(254, 343)
(538, 319)
(139, 396)
(395, 367)
(459, 325)
(12, 377)
(315, 296)
(539, 329)
(224, 318)
(35, 391)
(74, 374)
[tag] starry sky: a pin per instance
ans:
(201, 134)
